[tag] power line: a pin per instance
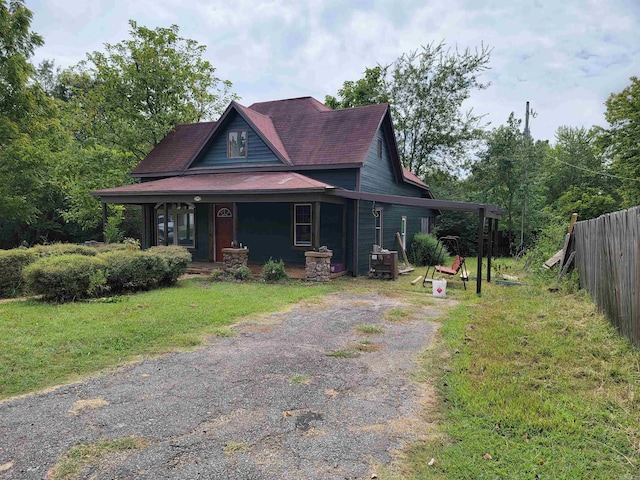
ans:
(598, 173)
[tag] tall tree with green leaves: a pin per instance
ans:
(576, 177)
(368, 90)
(507, 173)
(122, 102)
(426, 89)
(132, 94)
(622, 140)
(29, 133)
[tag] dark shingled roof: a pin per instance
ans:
(220, 183)
(176, 149)
(301, 131)
(313, 134)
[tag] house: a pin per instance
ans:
(280, 177)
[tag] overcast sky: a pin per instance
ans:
(564, 56)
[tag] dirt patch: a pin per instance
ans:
(265, 403)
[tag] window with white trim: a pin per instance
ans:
(302, 224)
(179, 228)
(237, 144)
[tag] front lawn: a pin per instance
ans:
(42, 345)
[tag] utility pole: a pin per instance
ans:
(527, 141)
(527, 132)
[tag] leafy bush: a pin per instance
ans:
(216, 275)
(64, 249)
(423, 249)
(66, 277)
(178, 260)
(132, 270)
(12, 262)
(242, 273)
(273, 271)
(549, 240)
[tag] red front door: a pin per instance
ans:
(223, 228)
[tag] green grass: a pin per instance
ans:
(342, 354)
(368, 328)
(538, 380)
(300, 379)
(42, 345)
(72, 463)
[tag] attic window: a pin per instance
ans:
(237, 144)
(379, 148)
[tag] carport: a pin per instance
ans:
(487, 213)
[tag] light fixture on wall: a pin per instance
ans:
(197, 198)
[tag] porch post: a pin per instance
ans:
(489, 249)
(166, 224)
(344, 235)
(316, 225)
(356, 220)
(104, 222)
(480, 250)
(235, 223)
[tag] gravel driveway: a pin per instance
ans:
(281, 399)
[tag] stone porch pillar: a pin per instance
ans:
(318, 265)
(233, 258)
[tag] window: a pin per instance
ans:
(302, 222)
(379, 148)
(377, 213)
(403, 232)
(179, 228)
(237, 145)
(425, 224)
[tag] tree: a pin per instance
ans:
(576, 176)
(426, 89)
(369, 90)
(507, 174)
(25, 119)
(122, 102)
(131, 95)
(623, 140)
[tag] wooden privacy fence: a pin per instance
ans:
(608, 262)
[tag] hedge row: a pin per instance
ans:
(65, 272)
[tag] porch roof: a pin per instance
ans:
(221, 184)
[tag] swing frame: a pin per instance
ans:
(453, 242)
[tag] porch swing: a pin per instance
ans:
(452, 244)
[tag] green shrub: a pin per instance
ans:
(12, 263)
(178, 260)
(66, 277)
(423, 249)
(111, 247)
(273, 271)
(133, 270)
(216, 275)
(64, 249)
(241, 273)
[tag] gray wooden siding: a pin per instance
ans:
(216, 155)
(391, 223)
(377, 173)
(343, 178)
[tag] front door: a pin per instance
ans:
(223, 228)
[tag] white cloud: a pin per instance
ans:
(565, 57)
